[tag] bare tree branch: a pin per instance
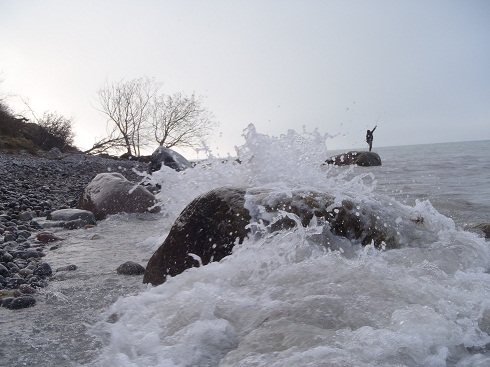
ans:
(136, 111)
(179, 120)
(125, 105)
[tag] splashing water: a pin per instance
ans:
(282, 299)
(295, 297)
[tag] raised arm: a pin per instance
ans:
(374, 129)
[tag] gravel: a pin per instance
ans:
(33, 187)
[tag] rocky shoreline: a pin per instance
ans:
(31, 187)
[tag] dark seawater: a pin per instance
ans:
(454, 177)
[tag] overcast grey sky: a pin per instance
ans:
(419, 69)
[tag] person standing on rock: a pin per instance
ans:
(369, 137)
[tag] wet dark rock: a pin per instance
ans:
(14, 283)
(5, 302)
(13, 267)
(19, 302)
(75, 224)
(70, 267)
(24, 234)
(364, 159)
(211, 225)
(9, 237)
(130, 268)
(35, 225)
(44, 269)
(47, 237)
(4, 271)
(25, 272)
(5, 256)
(29, 254)
(168, 157)
(26, 289)
(216, 219)
(485, 228)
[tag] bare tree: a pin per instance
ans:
(179, 120)
(126, 105)
(137, 113)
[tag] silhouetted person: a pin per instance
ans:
(369, 137)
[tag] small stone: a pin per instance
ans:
(34, 279)
(67, 268)
(7, 293)
(130, 268)
(35, 225)
(25, 272)
(4, 271)
(14, 283)
(9, 237)
(26, 216)
(6, 256)
(28, 254)
(19, 302)
(13, 267)
(74, 224)
(26, 289)
(46, 237)
(5, 302)
(43, 270)
(24, 234)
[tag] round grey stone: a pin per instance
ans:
(130, 268)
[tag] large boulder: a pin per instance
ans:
(169, 158)
(209, 227)
(111, 193)
(364, 159)
(205, 231)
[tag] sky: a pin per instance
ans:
(418, 69)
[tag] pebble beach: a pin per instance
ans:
(31, 187)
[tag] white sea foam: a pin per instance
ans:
(283, 299)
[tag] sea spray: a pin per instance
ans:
(303, 296)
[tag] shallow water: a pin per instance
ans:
(283, 299)
(53, 333)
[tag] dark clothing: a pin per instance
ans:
(369, 137)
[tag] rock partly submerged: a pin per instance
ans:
(72, 218)
(167, 157)
(111, 193)
(485, 228)
(211, 225)
(205, 231)
(130, 268)
(364, 159)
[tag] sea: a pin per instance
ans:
(282, 299)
